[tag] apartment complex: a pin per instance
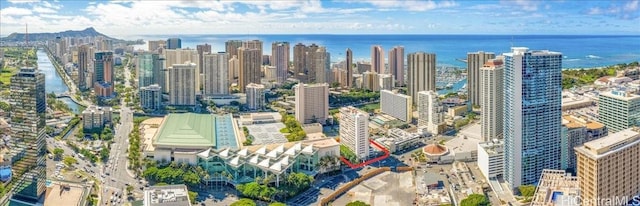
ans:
(280, 59)
(421, 73)
(532, 114)
(396, 105)
(607, 169)
(103, 74)
(491, 159)
(377, 59)
(349, 68)
(475, 61)
(619, 109)
(312, 103)
(354, 131)
(556, 187)
(216, 79)
(151, 97)
(95, 117)
(430, 112)
(255, 96)
(491, 91)
(250, 61)
(182, 87)
(576, 131)
(150, 68)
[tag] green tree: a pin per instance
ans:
(57, 152)
(475, 200)
(104, 154)
(527, 190)
(357, 203)
(244, 202)
(192, 197)
(277, 204)
(68, 160)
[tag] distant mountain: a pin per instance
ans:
(88, 32)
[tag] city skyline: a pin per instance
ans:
(323, 17)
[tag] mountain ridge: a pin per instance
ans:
(87, 32)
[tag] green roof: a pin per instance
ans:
(187, 129)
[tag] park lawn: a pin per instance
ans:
(7, 72)
(372, 106)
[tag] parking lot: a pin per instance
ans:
(323, 188)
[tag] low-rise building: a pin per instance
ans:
(398, 140)
(260, 118)
(457, 111)
(556, 187)
(95, 117)
(491, 159)
(167, 195)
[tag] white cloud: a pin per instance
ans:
(631, 6)
(22, 1)
(411, 5)
(44, 10)
(15, 11)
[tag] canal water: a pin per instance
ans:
(53, 81)
(455, 87)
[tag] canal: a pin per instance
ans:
(53, 81)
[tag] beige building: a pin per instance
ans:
(180, 56)
(215, 74)
(250, 61)
(421, 73)
(94, 117)
(370, 81)
(576, 131)
(354, 131)
(155, 45)
(348, 67)
(396, 105)
(280, 60)
(312, 103)
(491, 92)
(377, 59)
(234, 69)
(396, 64)
(475, 61)
(182, 87)
(608, 169)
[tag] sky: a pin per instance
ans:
(128, 19)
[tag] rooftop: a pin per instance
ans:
(65, 194)
(168, 195)
(609, 144)
(571, 121)
(556, 188)
(196, 130)
(435, 149)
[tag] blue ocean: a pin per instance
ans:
(580, 51)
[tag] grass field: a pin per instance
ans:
(6, 73)
(372, 107)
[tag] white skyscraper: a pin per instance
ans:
(430, 112)
(215, 74)
(532, 114)
(255, 96)
(491, 92)
(354, 131)
(396, 105)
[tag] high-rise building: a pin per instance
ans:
(150, 67)
(421, 73)
(321, 65)
(182, 88)
(348, 66)
(174, 43)
(84, 59)
(396, 105)
(491, 99)
(299, 59)
(255, 96)
(250, 61)
(155, 45)
(94, 117)
(396, 64)
(386, 81)
(532, 114)
(377, 59)
(491, 159)
(354, 131)
(280, 60)
(370, 81)
(266, 59)
(215, 74)
(575, 132)
(363, 67)
(475, 61)
(231, 47)
(28, 117)
(234, 68)
(430, 112)
(103, 74)
(312, 103)
(151, 97)
(180, 56)
(619, 109)
(608, 169)
(202, 49)
(254, 44)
